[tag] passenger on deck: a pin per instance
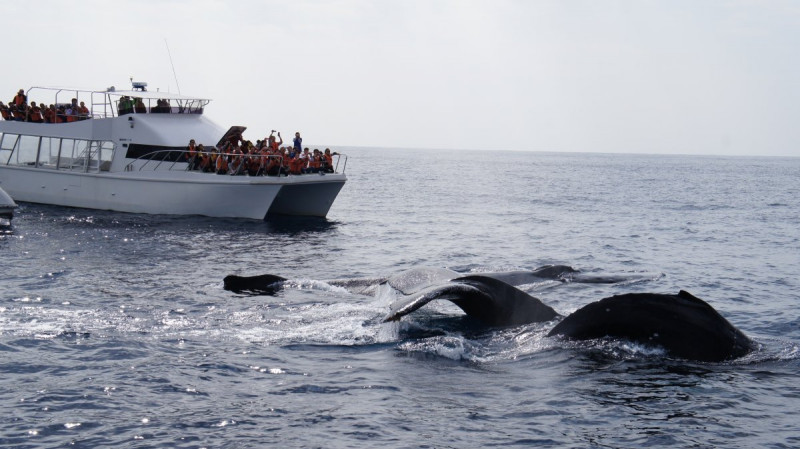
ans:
(35, 113)
(205, 159)
(236, 166)
(83, 111)
(18, 112)
(298, 142)
(296, 164)
(71, 114)
(20, 98)
(191, 155)
(327, 161)
(222, 164)
(314, 162)
(125, 105)
(162, 106)
(274, 144)
(139, 106)
(51, 115)
(305, 158)
(4, 112)
(286, 161)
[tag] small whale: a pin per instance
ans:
(264, 284)
(684, 325)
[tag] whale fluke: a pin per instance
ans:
(264, 284)
(684, 325)
(489, 300)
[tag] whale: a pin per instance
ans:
(683, 325)
(262, 284)
(491, 301)
(417, 278)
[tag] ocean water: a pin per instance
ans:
(115, 329)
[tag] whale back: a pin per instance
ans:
(684, 325)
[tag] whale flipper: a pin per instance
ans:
(685, 326)
(489, 300)
(264, 284)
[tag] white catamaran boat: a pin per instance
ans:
(134, 159)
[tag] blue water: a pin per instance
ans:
(115, 330)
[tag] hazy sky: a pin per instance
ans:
(638, 76)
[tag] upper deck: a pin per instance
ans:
(114, 103)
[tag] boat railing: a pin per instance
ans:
(112, 103)
(181, 160)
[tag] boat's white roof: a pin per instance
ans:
(155, 95)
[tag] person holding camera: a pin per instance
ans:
(298, 143)
(272, 143)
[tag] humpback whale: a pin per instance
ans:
(683, 325)
(415, 279)
(490, 300)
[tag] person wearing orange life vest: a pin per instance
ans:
(18, 112)
(236, 166)
(315, 162)
(205, 160)
(296, 163)
(272, 143)
(327, 161)
(191, 155)
(4, 111)
(222, 164)
(20, 98)
(35, 113)
(83, 111)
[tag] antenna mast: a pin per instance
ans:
(173, 66)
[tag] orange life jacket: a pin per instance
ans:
(222, 163)
(297, 165)
(4, 113)
(36, 115)
(19, 100)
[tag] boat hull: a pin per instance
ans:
(189, 193)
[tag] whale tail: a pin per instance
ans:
(489, 300)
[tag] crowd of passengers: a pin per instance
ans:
(128, 105)
(267, 157)
(19, 110)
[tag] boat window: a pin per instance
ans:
(155, 152)
(7, 144)
(67, 158)
(48, 151)
(26, 150)
(102, 152)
